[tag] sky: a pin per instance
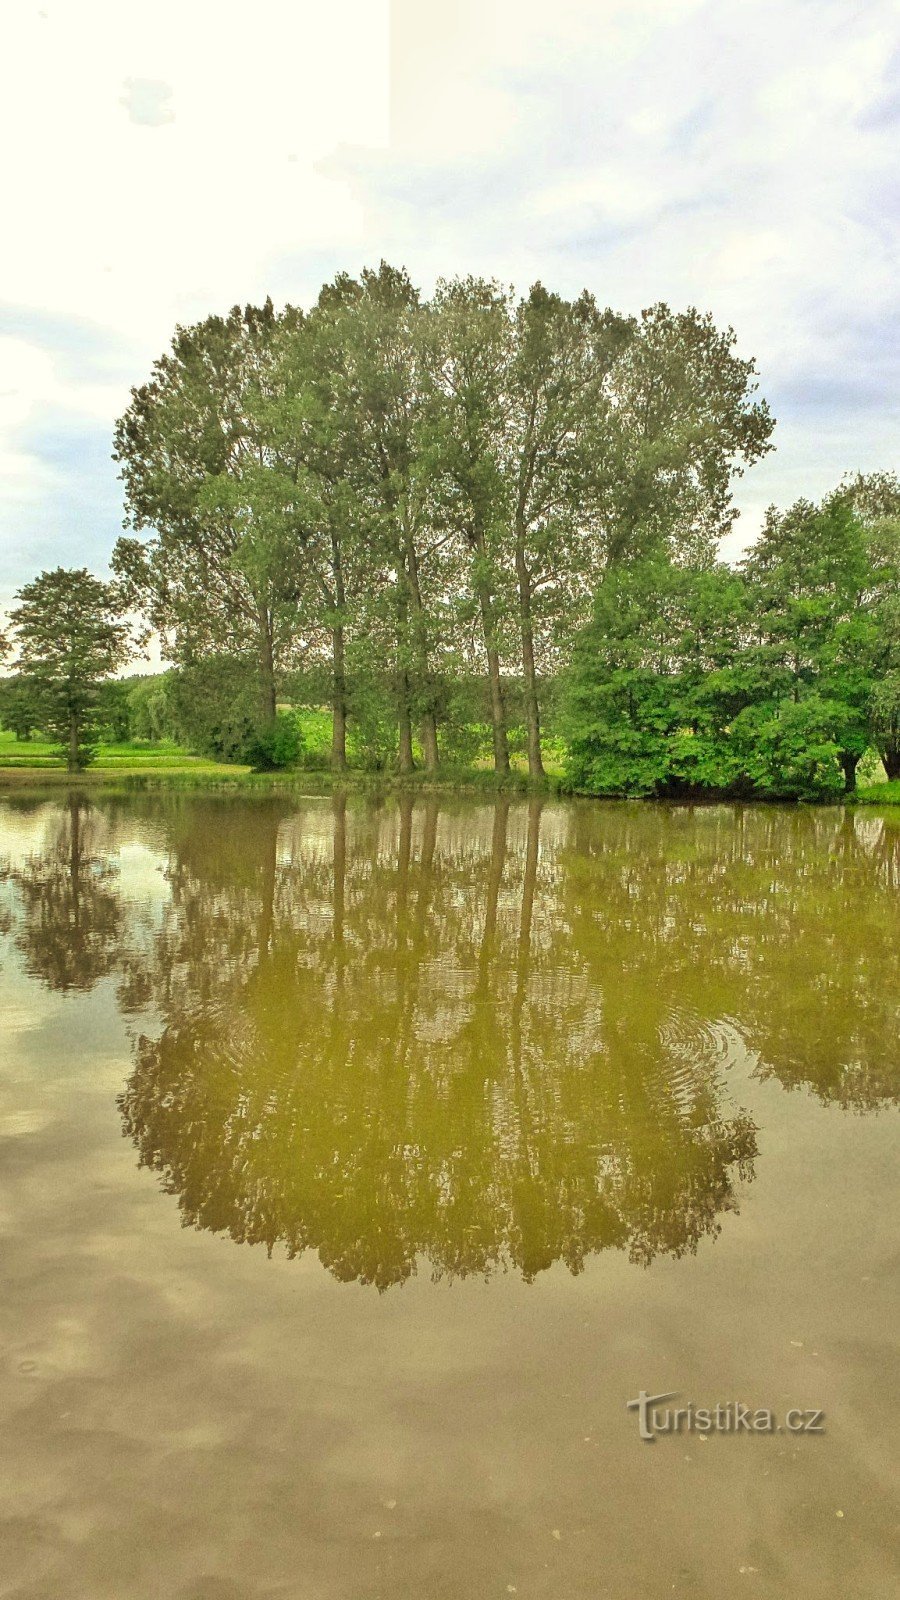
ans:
(165, 160)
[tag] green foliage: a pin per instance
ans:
(277, 745)
(71, 637)
(20, 707)
(767, 682)
(788, 752)
(213, 705)
(373, 713)
(414, 485)
(149, 710)
(113, 711)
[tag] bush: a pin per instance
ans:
(277, 747)
(789, 751)
(214, 707)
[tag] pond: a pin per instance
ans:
(362, 1162)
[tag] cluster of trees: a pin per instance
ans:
(772, 679)
(401, 493)
(456, 520)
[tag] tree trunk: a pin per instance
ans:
(849, 764)
(338, 701)
(429, 741)
(532, 710)
(420, 638)
(404, 713)
(891, 759)
(338, 664)
(266, 670)
(72, 761)
(405, 749)
(489, 631)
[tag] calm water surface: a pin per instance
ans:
(360, 1163)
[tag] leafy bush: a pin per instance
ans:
(214, 707)
(277, 747)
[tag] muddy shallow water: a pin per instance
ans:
(361, 1163)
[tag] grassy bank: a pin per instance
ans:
(879, 794)
(23, 761)
(34, 764)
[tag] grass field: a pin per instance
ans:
(39, 755)
(879, 794)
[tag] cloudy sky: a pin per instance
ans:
(163, 160)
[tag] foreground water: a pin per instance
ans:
(523, 1109)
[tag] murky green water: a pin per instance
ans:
(360, 1165)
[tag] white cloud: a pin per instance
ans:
(148, 102)
(742, 158)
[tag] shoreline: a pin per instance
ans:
(314, 784)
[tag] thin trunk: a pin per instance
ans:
(338, 701)
(339, 670)
(429, 741)
(489, 630)
(420, 638)
(404, 715)
(266, 669)
(405, 747)
(72, 762)
(532, 709)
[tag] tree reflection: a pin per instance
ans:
(783, 921)
(479, 1037)
(398, 1059)
(71, 919)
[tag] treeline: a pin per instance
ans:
(769, 680)
(402, 494)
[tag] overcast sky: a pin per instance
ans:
(164, 160)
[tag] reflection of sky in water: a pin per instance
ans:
(157, 1374)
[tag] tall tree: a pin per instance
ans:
(368, 328)
(219, 570)
(70, 635)
(565, 354)
(469, 347)
(811, 575)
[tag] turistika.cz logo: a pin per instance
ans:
(730, 1416)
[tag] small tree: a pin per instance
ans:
(70, 636)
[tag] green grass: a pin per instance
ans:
(879, 794)
(40, 755)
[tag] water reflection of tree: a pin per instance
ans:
(782, 920)
(70, 922)
(382, 1044)
(484, 1037)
